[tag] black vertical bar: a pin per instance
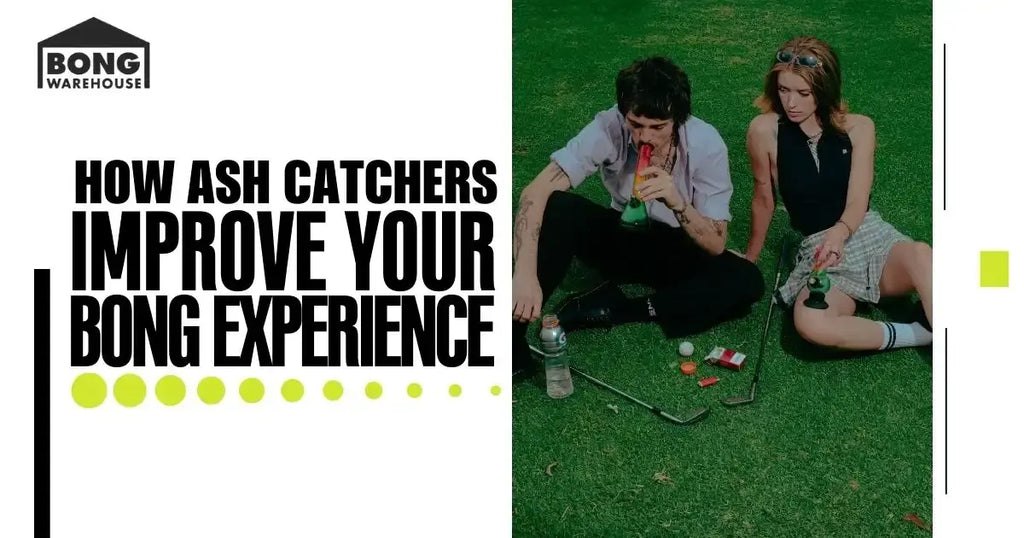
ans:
(943, 126)
(41, 379)
(945, 430)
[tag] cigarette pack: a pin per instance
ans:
(728, 358)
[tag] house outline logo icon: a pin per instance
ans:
(112, 61)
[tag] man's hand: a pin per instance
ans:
(527, 298)
(659, 185)
(708, 233)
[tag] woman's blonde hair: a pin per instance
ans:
(824, 79)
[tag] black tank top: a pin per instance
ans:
(815, 199)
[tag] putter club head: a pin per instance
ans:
(736, 400)
(698, 415)
(740, 400)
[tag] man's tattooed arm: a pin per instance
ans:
(526, 230)
(710, 234)
(521, 227)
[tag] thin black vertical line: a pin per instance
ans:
(41, 417)
(945, 413)
(943, 126)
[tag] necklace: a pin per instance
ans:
(668, 162)
(671, 161)
(813, 139)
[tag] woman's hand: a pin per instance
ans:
(659, 185)
(831, 251)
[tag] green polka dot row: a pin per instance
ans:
(90, 390)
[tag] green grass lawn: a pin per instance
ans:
(832, 447)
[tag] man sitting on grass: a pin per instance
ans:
(681, 254)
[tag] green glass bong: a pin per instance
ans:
(634, 215)
(818, 285)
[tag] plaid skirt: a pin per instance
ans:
(860, 270)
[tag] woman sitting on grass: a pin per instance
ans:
(822, 161)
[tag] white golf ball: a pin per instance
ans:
(686, 349)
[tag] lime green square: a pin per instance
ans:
(995, 269)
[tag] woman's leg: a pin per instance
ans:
(836, 326)
(909, 268)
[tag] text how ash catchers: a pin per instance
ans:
(429, 227)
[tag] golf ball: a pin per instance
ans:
(686, 349)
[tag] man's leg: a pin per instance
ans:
(695, 290)
(623, 256)
(572, 226)
(721, 289)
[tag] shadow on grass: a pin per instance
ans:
(533, 377)
(899, 310)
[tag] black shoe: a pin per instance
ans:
(921, 316)
(594, 309)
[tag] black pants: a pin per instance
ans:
(693, 289)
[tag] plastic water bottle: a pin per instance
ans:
(556, 362)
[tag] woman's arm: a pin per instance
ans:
(861, 131)
(759, 140)
(862, 171)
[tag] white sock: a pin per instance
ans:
(896, 335)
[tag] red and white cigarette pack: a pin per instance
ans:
(728, 358)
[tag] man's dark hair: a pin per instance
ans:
(655, 88)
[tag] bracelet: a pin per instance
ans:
(840, 221)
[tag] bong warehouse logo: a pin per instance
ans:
(93, 55)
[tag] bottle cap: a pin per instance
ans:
(549, 321)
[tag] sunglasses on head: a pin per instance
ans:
(788, 57)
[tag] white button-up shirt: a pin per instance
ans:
(701, 171)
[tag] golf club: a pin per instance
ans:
(698, 415)
(741, 400)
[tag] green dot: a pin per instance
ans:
(251, 390)
(333, 390)
(211, 390)
(496, 390)
(170, 390)
(89, 390)
(129, 390)
(414, 390)
(454, 391)
(374, 390)
(292, 390)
